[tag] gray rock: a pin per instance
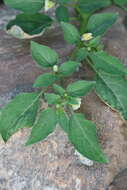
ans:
(51, 164)
(120, 181)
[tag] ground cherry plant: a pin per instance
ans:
(109, 80)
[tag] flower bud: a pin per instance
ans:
(48, 5)
(55, 68)
(57, 106)
(66, 95)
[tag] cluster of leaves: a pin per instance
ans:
(32, 22)
(109, 81)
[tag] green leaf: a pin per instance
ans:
(108, 63)
(68, 68)
(28, 6)
(45, 80)
(43, 55)
(112, 89)
(80, 88)
(52, 98)
(58, 89)
(98, 24)
(71, 34)
(43, 126)
(95, 42)
(62, 14)
(27, 26)
(72, 100)
(63, 120)
(81, 54)
(18, 113)
(90, 6)
(82, 134)
(120, 2)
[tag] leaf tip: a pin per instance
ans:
(27, 143)
(106, 160)
(35, 85)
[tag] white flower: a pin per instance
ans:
(83, 159)
(55, 68)
(87, 37)
(48, 5)
(76, 106)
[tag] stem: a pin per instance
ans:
(83, 24)
(71, 110)
(122, 7)
(88, 61)
(73, 18)
(90, 64)
(73, 55)
(84, 20)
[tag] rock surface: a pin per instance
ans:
(120, 181)
(52, 164)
